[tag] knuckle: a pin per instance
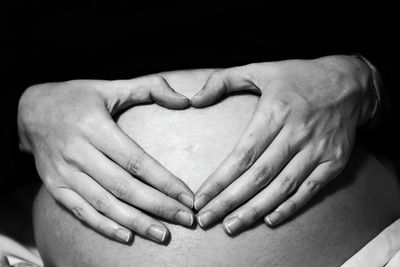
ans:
(245, 158)
(102, 203)
(51, 184)
(339, 154)
(313, 186)
(135, 164)
(166, 188)
(254, 213)
(120, 189)
(162, 211)
(71, 154)
(218, 186)
(79, 212)
(227, 203)
(287, 185)
(262, 176)
(321, 146)
(280, 108)
(300, 133)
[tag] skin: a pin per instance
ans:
(191, 143)
(299, 138)
(93, 168)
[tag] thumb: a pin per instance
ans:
(223, 82)
(146, 89)
(164, 95)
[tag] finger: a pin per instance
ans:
(395, 261)
(308, 189)
(122, 185)
(278, 190)
(222, 82)
(86, 213)
(124, 214)
(379, 250)
(264, 126)
(146, 89)
(251, 182)
(126, 153)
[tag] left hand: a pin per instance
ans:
(299, 138)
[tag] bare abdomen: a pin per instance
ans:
(191, 143)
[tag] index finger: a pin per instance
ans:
(115, 144)
(225, 81)
(262, 130)
(380, 250)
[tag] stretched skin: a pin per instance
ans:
(191, 143)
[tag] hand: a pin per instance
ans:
(383, 250)
(299, 138)
(94, 169)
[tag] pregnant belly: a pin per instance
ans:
(191, 143)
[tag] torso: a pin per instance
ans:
(191, 143)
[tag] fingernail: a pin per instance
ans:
(184, 218)
(199, 202)
(186, 200)
(123, 235)
(273, 218)
(205, 218)
(233, 225)
(157, 233)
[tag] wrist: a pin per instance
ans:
(361, 80)
(373, 94)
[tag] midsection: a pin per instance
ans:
(191, 143)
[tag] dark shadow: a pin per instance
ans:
(16, 214)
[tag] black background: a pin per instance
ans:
(43, 42)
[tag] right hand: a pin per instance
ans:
(94, 169)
